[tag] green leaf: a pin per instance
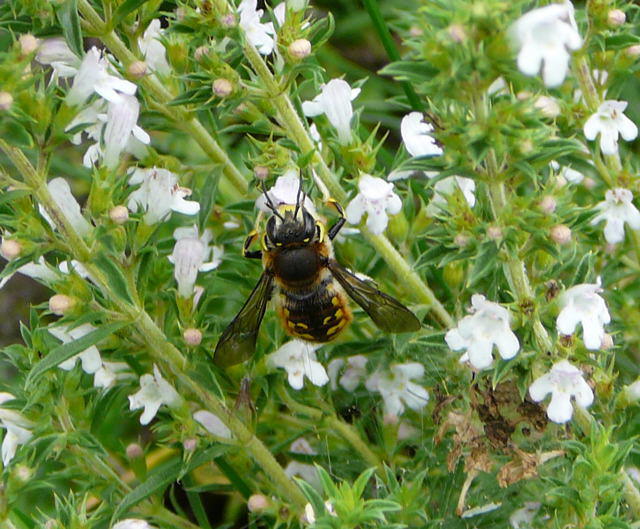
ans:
(412, 71)
(67, 350)
(128, 6)
(68, 18)
(163, 476)
(115, 277)
(361, 482)
(583, 270)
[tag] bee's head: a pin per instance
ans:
(291, 225)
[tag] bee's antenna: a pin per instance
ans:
(270, 203)
(298, 201)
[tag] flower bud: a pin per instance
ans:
(548, 106)
(222, 87)
(299, 49)
(200, 53)
(390, 419)
(190, 445)
(6, 100)
(607, 342)
(560, 234)
(634, 390)
(457, 33)
(228, 21)
(494, 233)
(548, 204)
(589, 183)
(138, 69)
(60, 304)
(461, 240)
(523, 95)
(633, 51)
(50, 524)
(416, 31)
(257, 503)
(134, 451)
(10, 249)
(28, 44)
(261, 172)
(192, 336)
(23, 473)
(616, 18)
(119, 214)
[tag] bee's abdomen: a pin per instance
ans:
(318, 314)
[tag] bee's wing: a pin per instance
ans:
(238, 341)
(386, 312)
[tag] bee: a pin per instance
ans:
(308, 285)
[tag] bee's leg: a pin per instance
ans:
(251, 254)
(333, 230)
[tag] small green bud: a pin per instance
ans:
(453, 274)
(560, 234)
(548, 204)
(10, 249)
(299, 49)
(296, 5)
(192, 336)
(28, 44)
(257, 503)
(61, 304)
(616, 17)
(137, 69)
(119, 214)
(6, 100)
(222, 87)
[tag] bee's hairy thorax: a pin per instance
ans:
(311, 303)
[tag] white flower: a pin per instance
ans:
(376, 198)
(448, 186)
(122, 119)
(189, 255)
(212, 424)
(132, 523)
(397, 390)
(416, 136)
(488, 325)
(522, 518)
(154, 392)
(90, 357)
(285, 191)
(582, 304)
(355, 371)
(109, 372)
(61, 194)
(56, 53)
(92, 76)
(563, 382)
(545, 36)
(298, 358)
(94, 117)
(38, 270)
(569, 174)
(17, 427)
(304, 471)
(335, 102)
(617, 209)
(153, 50)
(261, 35)
(610, 122)
(159, 194)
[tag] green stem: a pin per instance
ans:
(290, 120)
(162, 97)
(514, 268)
(389, 45)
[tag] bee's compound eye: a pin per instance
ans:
(307, 239)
